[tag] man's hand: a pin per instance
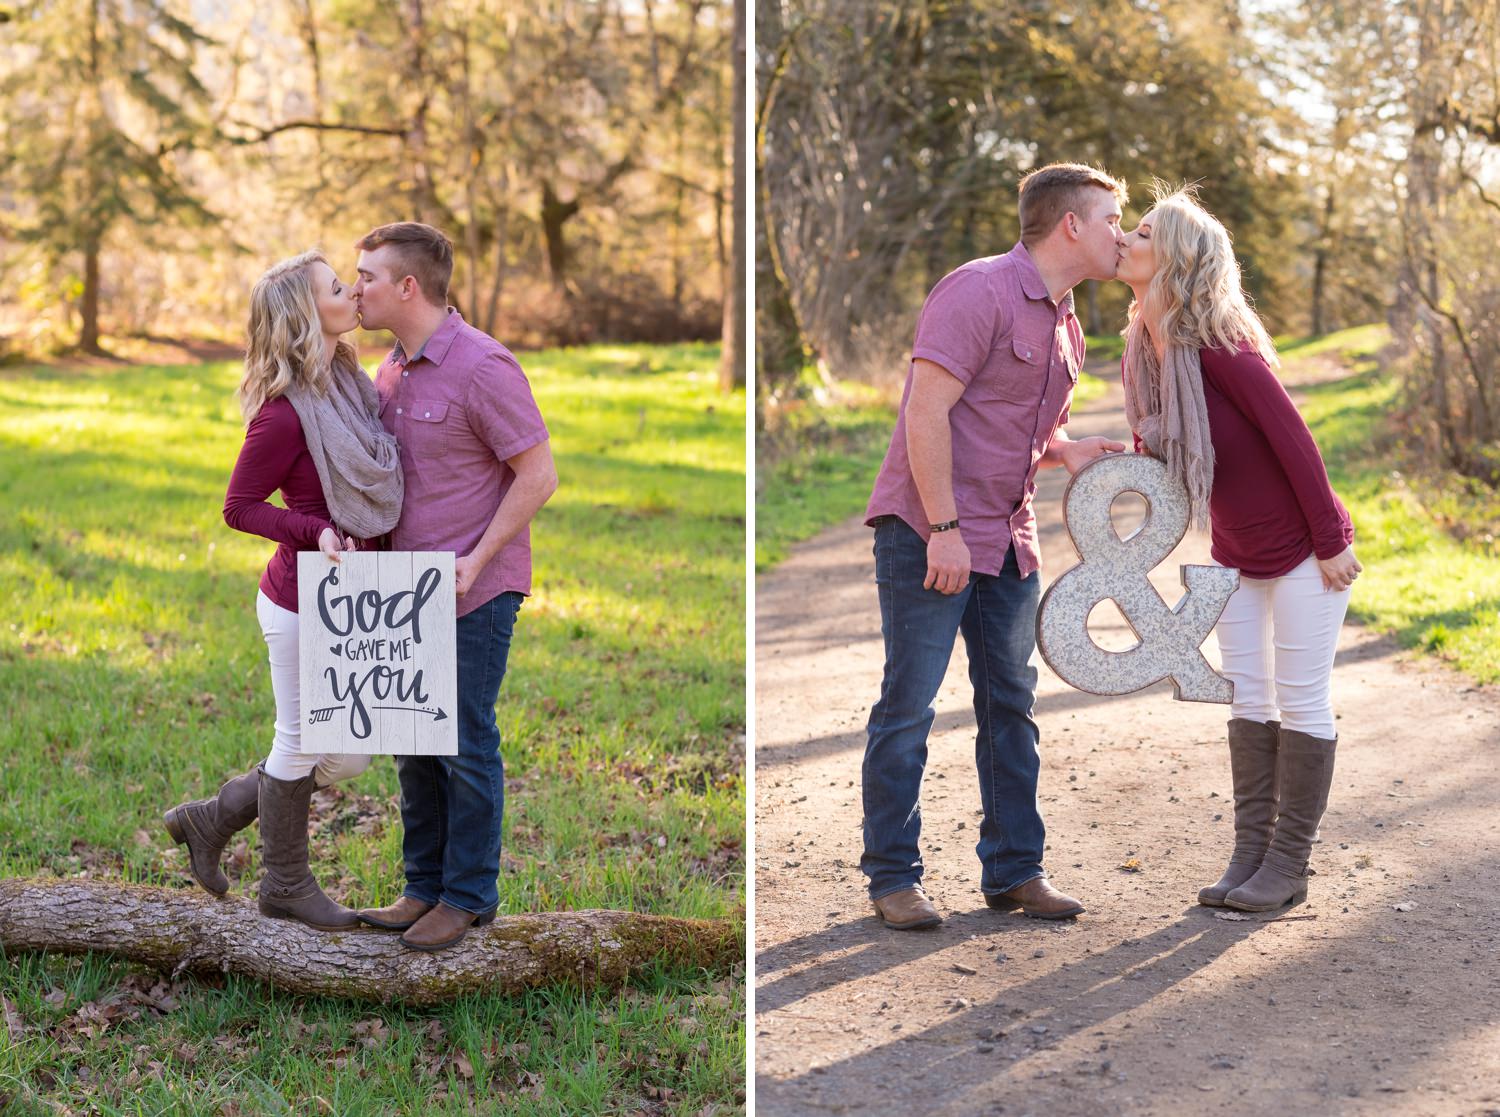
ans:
(328, 543)
(465, 569)
(1340, 571)
(947, 562)
(1075, 455)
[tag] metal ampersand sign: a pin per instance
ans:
(1116, 569)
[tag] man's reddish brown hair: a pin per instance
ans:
(1047, 194)
(421, 252)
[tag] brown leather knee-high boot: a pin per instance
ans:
(1305, 771)
(206, 825)
(1252, 768)
(288, 890)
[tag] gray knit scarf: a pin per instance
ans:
(357, 460)
(1167, 410)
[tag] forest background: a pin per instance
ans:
(159, 155)
(1349, 146)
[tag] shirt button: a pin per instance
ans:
(427, 414)
(405, 373)
(398, 411)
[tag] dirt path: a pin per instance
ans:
(1149, 1003)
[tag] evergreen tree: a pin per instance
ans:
(101, 103)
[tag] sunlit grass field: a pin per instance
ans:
(133, 676)
(1427, 580)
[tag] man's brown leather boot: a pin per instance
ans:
(907, 910)
(395, 917)
(1036, 898)
(443, 927)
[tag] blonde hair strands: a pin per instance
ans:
(286, 345)
(1196, 299)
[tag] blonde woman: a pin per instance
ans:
(1201, 394)
(313, 432)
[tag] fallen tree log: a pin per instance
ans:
(180, 931)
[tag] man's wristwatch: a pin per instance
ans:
(949, 526)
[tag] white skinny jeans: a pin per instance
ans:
(1283, 631)
(287, 760)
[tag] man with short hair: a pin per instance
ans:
(478, 467)
(996, 356)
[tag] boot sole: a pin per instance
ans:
(914, 925)
(173, 822)
(1296, 898)
(1013, 905)
(278, 913)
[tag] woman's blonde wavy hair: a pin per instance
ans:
(1196, 298)
(286, 344)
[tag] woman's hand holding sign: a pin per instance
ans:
(328, 543)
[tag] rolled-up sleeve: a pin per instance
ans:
(501, 409)
(960, 323)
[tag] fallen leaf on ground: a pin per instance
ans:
(15, 1023)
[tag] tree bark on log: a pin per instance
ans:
(179, 931)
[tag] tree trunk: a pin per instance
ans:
(732, 352)
(1421, 216)
(555, 214)
(1320, 267)
(497, 279)
(88, 338)
(424, 191)
(471, 181)
(178, 930)
(780, 346)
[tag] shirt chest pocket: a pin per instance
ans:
(427, 427)
(1019, 372)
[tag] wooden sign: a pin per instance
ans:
(1111, 568)
(379, 655)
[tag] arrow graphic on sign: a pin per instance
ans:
(322, 713)
(437, 715)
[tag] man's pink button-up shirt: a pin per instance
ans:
(459, 409)
(992, 325)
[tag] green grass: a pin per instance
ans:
(1422, 582)
(132, 674)
(1105, 348)
(817, 466)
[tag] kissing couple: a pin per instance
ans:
(997, 353)
(445, 450)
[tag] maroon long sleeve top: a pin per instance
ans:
(274, 457)
(1271, 504)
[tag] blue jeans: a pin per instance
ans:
(997, 616)
(451, 806)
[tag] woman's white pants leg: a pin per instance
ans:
(287, 760)
(1277, 637)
